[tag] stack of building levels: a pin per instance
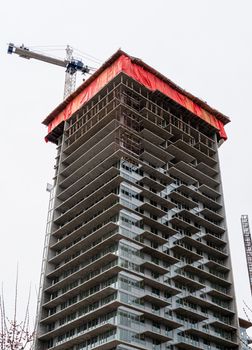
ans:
(136, 253)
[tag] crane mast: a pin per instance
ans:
(70, 79)
(247, 245)
(72, 65)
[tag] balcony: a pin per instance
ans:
(156, 198)
(87, 189)
(179, 154)
(159, 174)
(94, 172)
(183, 308)
(92, 126)
(77, 245)
(182, 198)
(92, 198)
(151, 159)
(217, 265)
(105, 295)
(156, 333)
(196, 174)
(211, 275)
(89, 165)
(212, 215)
(204, 198)
(179, 131)
(159, 283)
(89, 153)
(81, 286)
(150, 111)
(193, 216)
(101, 222)
(150, 265)
(155, 299)
(162, 227)
(209, 192)
(208, 303)
(200, 156)
(220, 292)
(219, 338)
(85, 335)
(87, 217)
(89, 252)
(206, 169)
(225, 325)
(187, 279)
(180, 249)
(89, 142)
(157, 186)
(177, 173)
(153, 210)
(159, 254)
(157, 151)
(152, 126)
(152, 237)
(215, 239)
(152, 137)
(211, 249)
(206, 146)
(187, 343)
(81, 269)
(82, 319)
(178, 220)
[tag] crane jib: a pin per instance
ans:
(72, 65)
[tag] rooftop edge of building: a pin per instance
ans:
(146, 75)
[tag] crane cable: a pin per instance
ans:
(247, 306)
(82, 54)
(92, 69)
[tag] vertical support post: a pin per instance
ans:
(247, 245)
(70, 79)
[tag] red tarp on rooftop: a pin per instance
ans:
(140, 73)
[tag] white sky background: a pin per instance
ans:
(204, 46)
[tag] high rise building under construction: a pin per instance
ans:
(136, 252)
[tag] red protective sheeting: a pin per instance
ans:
(125, 64)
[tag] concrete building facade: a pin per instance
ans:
(136, 253)
(245, 339)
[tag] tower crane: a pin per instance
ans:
(247, 245)
(72, 65)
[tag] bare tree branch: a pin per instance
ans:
(15, 335)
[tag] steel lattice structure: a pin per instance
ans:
(247, 245)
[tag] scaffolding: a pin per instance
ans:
(247, 245)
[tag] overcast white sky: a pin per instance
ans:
(202, 45)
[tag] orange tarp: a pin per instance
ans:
(143, 76)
